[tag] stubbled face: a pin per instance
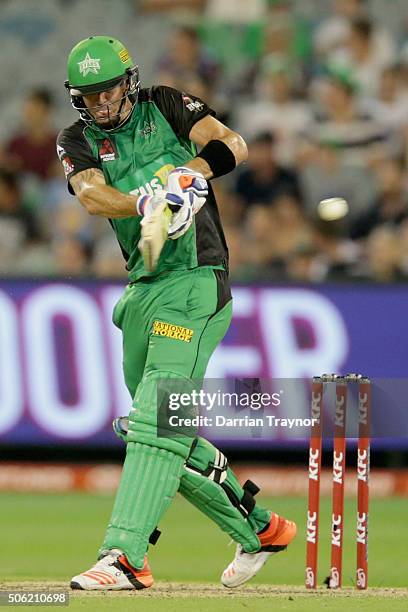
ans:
(104, 106)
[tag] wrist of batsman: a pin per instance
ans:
(146, 204)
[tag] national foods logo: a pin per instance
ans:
(176, 332)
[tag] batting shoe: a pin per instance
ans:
(113, 573)
(276, 536)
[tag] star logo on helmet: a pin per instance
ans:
(89, 65)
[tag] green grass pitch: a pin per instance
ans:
(49, 538)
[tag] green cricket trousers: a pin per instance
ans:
(171, 325)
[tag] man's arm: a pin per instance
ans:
(208, 129)
(99, 198)
(192, 119)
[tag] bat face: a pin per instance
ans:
(154, 235)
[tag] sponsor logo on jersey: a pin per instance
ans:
(149, 128)
(156, 184)
(106, 150)
(176, 332)
(192, 105)
(67, 165)
(88, 65)
(163, 172)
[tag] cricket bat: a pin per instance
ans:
(154, 235)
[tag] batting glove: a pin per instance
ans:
(181, 207)
(147, 204)
(190, 185)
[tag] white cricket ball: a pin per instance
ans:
(332, 209)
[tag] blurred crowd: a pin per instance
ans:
(319, 90)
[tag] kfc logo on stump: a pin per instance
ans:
(311, 527)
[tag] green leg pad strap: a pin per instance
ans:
(150, 479)
(218, 495)
(259, 516)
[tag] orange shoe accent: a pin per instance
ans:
(100, 576)
(95, 577)
(185, 181)
(280, 532)
(143, 576)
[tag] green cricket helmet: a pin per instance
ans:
(97, 64)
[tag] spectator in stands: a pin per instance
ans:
(69, 219)
(186, 58)
(334, 41)
(333, 32)
(279, 31)
(281, 35)
(260, 256)
(32, 149)
(268, 239)
(302, 266)
(341, 122)
(232, 209)
(391, 206)
(390, 105)
(384, 256)
(107, 259)
(285, 33)
(72, 256)
(338, 256)
(18, 227)
(264, 180)
(277, 108)
(290, 227)
(195, 85)
(363, 56)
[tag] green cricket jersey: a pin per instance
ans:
(137, 158)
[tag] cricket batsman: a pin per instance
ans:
(132, 153)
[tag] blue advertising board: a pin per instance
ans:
(60, 354)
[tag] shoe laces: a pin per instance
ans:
(110, 558)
